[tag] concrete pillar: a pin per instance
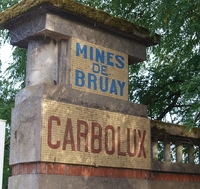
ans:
(48, 62)
(74, 111)
(190, 153)
(167, 155)
(199, 154)
(42, 62)
(155, 149)
(179, 152)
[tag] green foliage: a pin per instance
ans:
(168, 81)
(160, 151)
(7, 95)
(6, 169)
(7, 3)
(14, 74)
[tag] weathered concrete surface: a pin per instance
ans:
(173, 185)
(63, 94)
(48, 62)
(47, 31)
(78, 11)
(56, 27)
(42, 62)
(27, 116)
(175, 167)
(25, 144)
(72, 182)
(162, 129)
(55, 23)
(34, 181)
(47, 38)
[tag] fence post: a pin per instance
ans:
(2, 142)
(154, 149)
(167, 155)
(179, 152)
(190, 153)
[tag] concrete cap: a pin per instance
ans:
(79, 12)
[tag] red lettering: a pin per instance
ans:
(141, 138)
(68, 130)
(96, 137)
(129, 145)
(82, 134)
(49, 140)
(112, 151)
(119, 144)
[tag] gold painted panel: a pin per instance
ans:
(98, 70)
(79, 135)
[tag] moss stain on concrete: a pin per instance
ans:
(77, 8)
(159, 127)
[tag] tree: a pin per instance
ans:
(168, 82)
(171, 81)
(15, 74)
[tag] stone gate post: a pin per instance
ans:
(72, 125)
